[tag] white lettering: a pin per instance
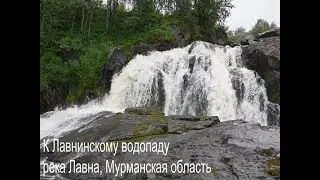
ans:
(124, 147)
(115, 148)
(108, 168)
(53, 168)
(45, 146)
(55, 145)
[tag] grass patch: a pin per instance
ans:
(274, 172)
(274, 162)
(274, 167)
(215, 171)
(267, 152)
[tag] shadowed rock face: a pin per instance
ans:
(117, 60)
(263, 56)
(233, 149)
(273, 114)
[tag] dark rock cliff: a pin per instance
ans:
(263, 56)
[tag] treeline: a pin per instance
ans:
(91, 18)
(239, 34)
(77, 35)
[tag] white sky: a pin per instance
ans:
(247, 12)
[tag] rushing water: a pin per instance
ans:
(208, 80)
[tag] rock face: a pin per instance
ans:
(117, 60)
(233, 149)
(263, 56)
(249, 39)
(273, 110)
(272, 33)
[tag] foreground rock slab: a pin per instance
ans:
(233, 149)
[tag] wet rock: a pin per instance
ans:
(116, 127)
(237, 84)
(264, 58)
(192, 60)
(181, 124)
(272, 83)
(143, 111)
(158, 92)
(273, 111)
(193, 45)
(116, 61)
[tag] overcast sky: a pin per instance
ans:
(247, 12)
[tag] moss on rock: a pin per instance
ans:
(154, 124)
(144, 111)
(267, 152)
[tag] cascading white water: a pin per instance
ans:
(210, 80)
(55, 123)
(217, 85)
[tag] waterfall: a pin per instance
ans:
(200, 79)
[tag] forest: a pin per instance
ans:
(76, 36)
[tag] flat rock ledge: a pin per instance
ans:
(235, 150)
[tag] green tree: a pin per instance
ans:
(260, 26)
(273, 25)
(238, 35)
(89, 28)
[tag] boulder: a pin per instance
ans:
(272, 33)
(116, 61)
